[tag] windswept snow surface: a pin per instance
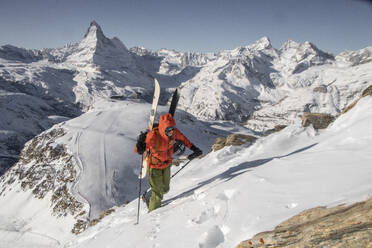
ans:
(232, 194)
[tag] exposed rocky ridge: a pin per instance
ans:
(233, 140)
(318, 120)
(366, 92)
(47, 169)
(81, 225)
(341, 226)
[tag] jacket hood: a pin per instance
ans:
(165, 121)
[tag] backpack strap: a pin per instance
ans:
(157, 138)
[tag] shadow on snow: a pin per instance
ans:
(233, 172)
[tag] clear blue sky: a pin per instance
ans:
(189, 25)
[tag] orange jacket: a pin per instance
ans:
(160, 146)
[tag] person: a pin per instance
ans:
(158, 150)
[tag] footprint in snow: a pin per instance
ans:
(291, 205)
(198, 195)
(153, 233)
(227, 194)
(206, 215)
(212, 238)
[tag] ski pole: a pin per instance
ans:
(181, 168)
(139, 191)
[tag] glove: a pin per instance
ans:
(141, 143)
(196, 153)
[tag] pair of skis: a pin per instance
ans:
(172, 110)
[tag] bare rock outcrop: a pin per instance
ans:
(341, 226)
(276, 129)
(321, 89)
(232, 140)
(366, 92)
(318, 120)
(48, 168)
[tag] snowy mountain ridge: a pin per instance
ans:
(256, 85)
(85, 163)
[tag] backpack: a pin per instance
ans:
(141, 140)
(141, 143)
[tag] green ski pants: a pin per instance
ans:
(159, 181)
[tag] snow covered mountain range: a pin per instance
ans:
(84, 105)
(256, 85)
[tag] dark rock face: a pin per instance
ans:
(341, 226)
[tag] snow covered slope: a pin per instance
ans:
(230, 195)
(72, 172)
(217, 201)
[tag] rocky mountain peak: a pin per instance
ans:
(306, 48)
(290, 44)
(263, 43)
(96, 48)
(298, 57)
(94, 30)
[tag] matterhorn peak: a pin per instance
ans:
(96, 48)
(94, 30)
